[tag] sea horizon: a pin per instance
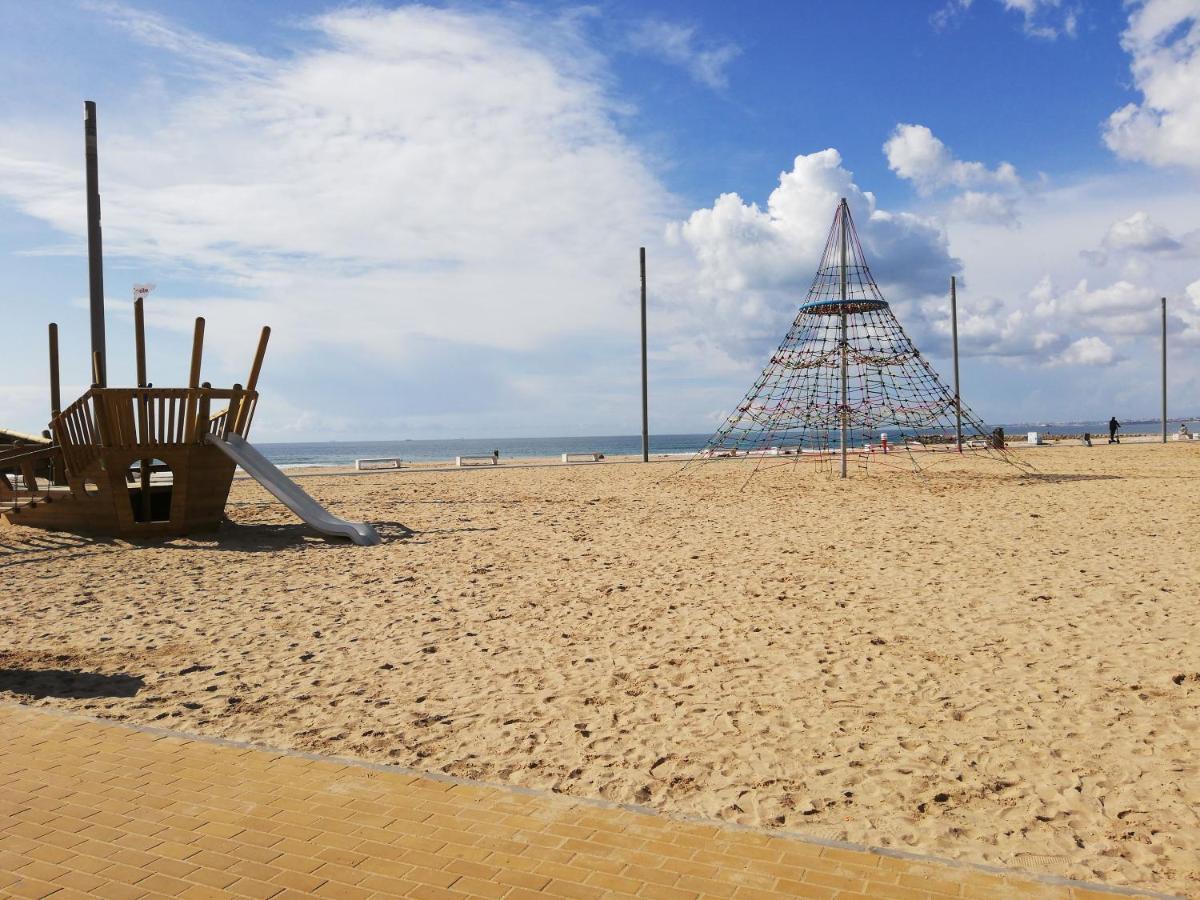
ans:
(345, 452)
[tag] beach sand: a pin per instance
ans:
(969, 663)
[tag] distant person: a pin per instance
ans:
(1113, 425)
(1184, 434)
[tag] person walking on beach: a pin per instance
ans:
(1113, 425)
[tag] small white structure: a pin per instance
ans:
(1034, 439)
(581, 457)
(382, 462)
(490, 460)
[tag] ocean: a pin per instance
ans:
(344, 453)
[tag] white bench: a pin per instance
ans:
(489, 460)
(581, 457)
(382, 462)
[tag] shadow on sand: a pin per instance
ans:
(41, 683)
(1050, 478)
(260, 538)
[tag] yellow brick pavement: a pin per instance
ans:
(93, 809)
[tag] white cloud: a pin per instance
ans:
(985, 207)
(1141, 234)
(1048, 19)
(949, 14)
(1119, 309)
(988, 328)
(917, 155)
(755, 264)
(1087, 351)
(680, 45)
(1163, 37)
(1137, 239)
(1188, 309)
(415, 173)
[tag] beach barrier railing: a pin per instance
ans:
(589, 456)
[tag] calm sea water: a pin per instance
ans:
(342, 453)
(346, 452)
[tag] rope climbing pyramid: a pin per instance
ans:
(847, 384)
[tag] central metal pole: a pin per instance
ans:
(954, 339)
(1164, 370)
(845, 347)
(95, 250)
(645, 390)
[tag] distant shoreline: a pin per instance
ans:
(424, 452)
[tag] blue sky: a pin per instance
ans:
(438, 207)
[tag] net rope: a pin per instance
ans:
(794, 408)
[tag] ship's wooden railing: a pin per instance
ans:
(145, 418)
(24, 462)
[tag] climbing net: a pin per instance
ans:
(847, 371)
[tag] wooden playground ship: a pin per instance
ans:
(144, 462)
(132, 462)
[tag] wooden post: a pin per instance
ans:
(95, 243)
(203, 414)
(240, 419)
(197, 353)
(1164, 370)
(189, 409)
(55, 390)
(645, 388)
(139, 336)
(845, 349)
(954, 340)
(256, 366)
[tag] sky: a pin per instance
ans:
(438, 207)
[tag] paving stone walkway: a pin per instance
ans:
(96, 809)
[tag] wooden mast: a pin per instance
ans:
(241, 420)
(55, 390)
(139, 337)
(95, 244)
(55, 394)
(191, 410)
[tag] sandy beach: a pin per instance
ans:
(972, 663)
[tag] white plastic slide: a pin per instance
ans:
(291, 494)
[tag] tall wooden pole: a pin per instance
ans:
(954, 340)
(645, 387)
(1164, 370)
(139, 337)
(240, 423)
(191, 407)
(55, 394)
(55, 391)
(95, 249)
(845, 349)
(256, 366)
(197, 353)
